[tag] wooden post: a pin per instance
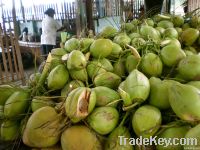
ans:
(81, 17)
(78, 21)
(19, 58)
(89, 12)
(122, 11)
(22, 9)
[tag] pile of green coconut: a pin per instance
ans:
(142, 80)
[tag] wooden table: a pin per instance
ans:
(33, 47)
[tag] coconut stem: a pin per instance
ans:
(126, 108)
(87, 56)
(44, 74)
(164, 17)
(134, 51)
(125, 97)
(114, 102)
(164, 43)
(124, 118)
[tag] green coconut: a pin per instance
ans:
(113, 142)
(103, 119)
(138, 43)
(34, 79)
(149, 21)
(144, 147)
(106, 64)
(195, 84)
(171, 33)
(146, 121)
(158, 96)
(16, 104)
(43, 128)
(94, 68)
(149, 32)
(105, 95)
(134, 35)
(55, 147)
(185, 26)
(135, 21)
(116, 51)
(79, 74)
(189, 68)
(178, 20)
(185, 101)
(189, 36)
(1, 114)
(9, 130)
(131, 63)
(165, 24)
(108, 32)
(55, 62)
(151, 65)
(41, 101)
(72, 44)
(57, 78)
(6, 91)
(193, 135)
(101, 48)
(160, 29)
(187, 52)
(195, 21)
(191, 48)
(79, 137)
(122, 39)
(85, 44)
(71, 86)
(80, 103)
(177, 132)
(136, 86)
(76, 60)
(172, 41)
(107, 79)
(159, 17)
(58, 52)
(119, 68)
(171, 55)
(179, 30)
(128, 27)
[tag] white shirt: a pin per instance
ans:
(24, 37)
(49, 29)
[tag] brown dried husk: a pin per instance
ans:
(80, 103)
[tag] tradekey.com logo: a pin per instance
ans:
(158, 141)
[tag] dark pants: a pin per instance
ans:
(46, 49)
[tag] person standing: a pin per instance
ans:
(24, 35)
(49, 30)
